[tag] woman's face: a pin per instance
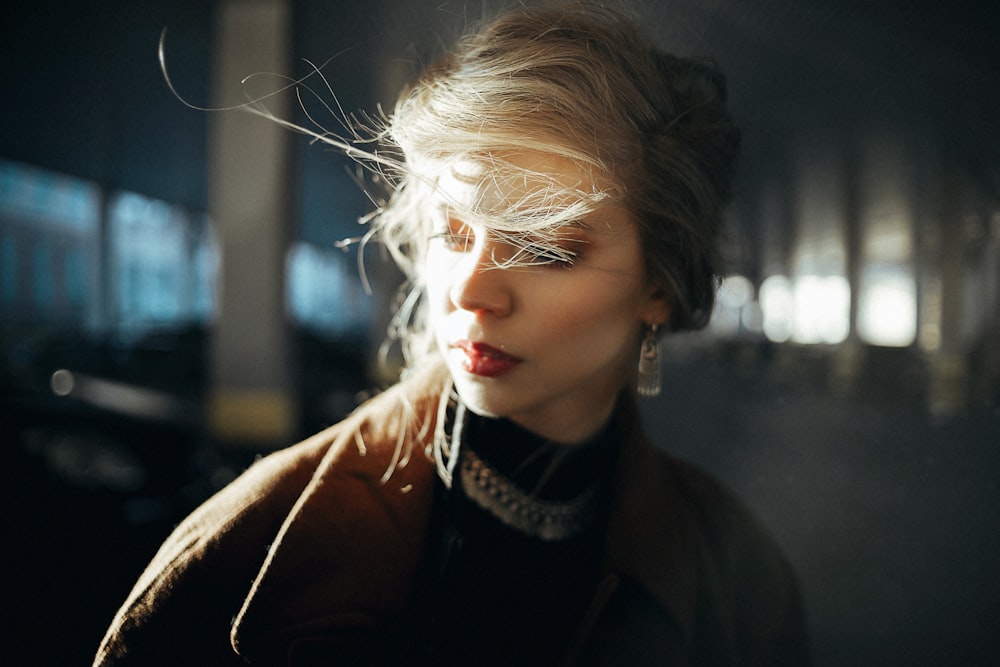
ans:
(550, 346)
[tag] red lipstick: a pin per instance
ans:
(485, 360)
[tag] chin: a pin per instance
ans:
(474, 399)
(480, 411)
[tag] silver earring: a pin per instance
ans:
(649, 364)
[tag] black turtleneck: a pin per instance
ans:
(498, 595)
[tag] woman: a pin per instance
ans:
(556, 205)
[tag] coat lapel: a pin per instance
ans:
(347, 554)
(652, 537)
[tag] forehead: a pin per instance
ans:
(517, 183)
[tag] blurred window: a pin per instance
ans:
(158, 258)
(155, 261)
(736, 312)
(324, 293)
(887, 306)
(8, 271)
(48, 225)
(822, 309)
(808, 309)
(777, 307)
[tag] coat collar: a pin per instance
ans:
(652, 536)
(348, 552)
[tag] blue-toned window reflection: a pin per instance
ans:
(49, 225)
(42, 279)
(8, 270)
(161, 259)
(75, 278)
(156, 260)
(323, 293)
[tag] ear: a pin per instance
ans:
(657, 308)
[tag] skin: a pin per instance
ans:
(571, 331)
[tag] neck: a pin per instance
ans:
(567, 427)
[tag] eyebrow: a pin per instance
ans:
(446, 209)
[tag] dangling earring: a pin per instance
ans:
(649, 364)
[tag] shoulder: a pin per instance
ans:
(743, 570)
(727, 532)
(680, 503)
(707, 557)
(216, 552)
(370, 443)
(723, 517)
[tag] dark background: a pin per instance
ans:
(887, 506)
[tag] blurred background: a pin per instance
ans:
(173, 302)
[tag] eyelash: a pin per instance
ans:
(538, 256)
(453, 241)
(547, 257)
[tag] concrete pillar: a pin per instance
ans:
(948, 368)
(847, 364)
(252, 401)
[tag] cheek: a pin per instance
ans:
(435, 280)
(602, 317)
(624, 318)
(436, 289)
(608, 297)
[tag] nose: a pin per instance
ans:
(479, 285)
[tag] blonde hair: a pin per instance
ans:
(581, 82)
(578, 81)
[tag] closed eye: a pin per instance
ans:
(536, 254)
(456, 236)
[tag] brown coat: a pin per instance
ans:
(313, 550)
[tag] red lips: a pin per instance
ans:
(485, 360)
